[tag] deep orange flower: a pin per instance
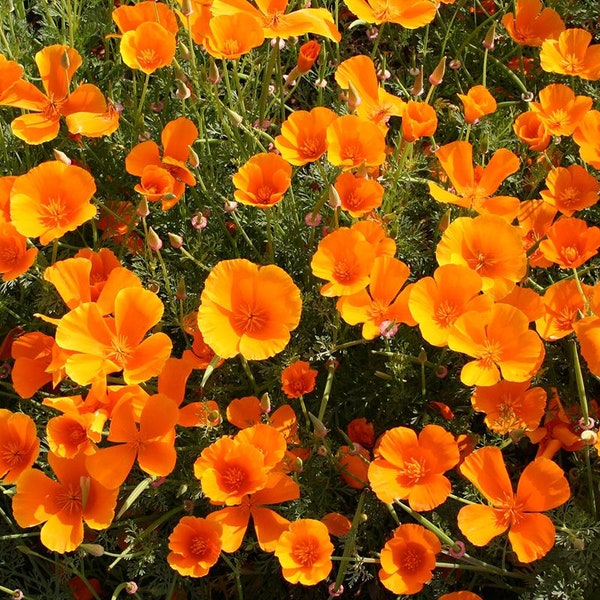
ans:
(10, 73)
(360, 431)
(510, 406)
(530, 129)
(73, 432)
(204, 413)
(501, 343)
(353, 462)
(263, 180)
(15, 257)
(587, 331)
(409, 14)
(382, 301)
(244, 412)
(570, 189)
(570, 242)
(276, 23)
(572, 54)
(408, 559)
(345, 259)
(148, 47)
(304, 552)
(358, 195)
(338, 525)
(375, 234)
(436, 302)
(102, 345)
(587, 137)
(307, 55)
(352, 142)
(489, 246)
(298, 379)
(129, 18)
(62, 506)
(51, 199)
(527, 301)
(249, 310)
(303, 137)
(231, 35)
(418, 120)
(19, 445)
(195, 546)
(376, 104)
(530, 25)
(462, 595)
(477, 102)
(152, 443)
(86, 106)
(475, 186)
(407, 467)
(177, 137)
(542, 486)
(560, 110)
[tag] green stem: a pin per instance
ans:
(327, 390)
(270, 243)
(248, 372)
(426, 523)
(236, 574)
(262, 102)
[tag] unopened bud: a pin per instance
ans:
(131, 587)
(362, 171)
(455, 64)
(578, 543)
(417, 88)
(175, 240)
(230, 206)
(298, 466)
(422, 358)
(438, 73)
(183, 91)
(187, 8)
(488, 41)
(236, 120)
(65, 61)
(153, 241)
(93, 549)
(265, 403)
(589, 437)
(354, 99)
(142, 209)
(61, 156)
(334, 197)
(180, 292)
(169, 196)
(213, 72)
(445, 221)
(193, 158)
(320, 430)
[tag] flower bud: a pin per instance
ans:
(265, 403)
(153, 241)
(589, 437)
(187, 8)
(213, 72)
(183, 91)
(236, 120)
(320, 430)
(131, 587)
(175, 240)
(93, 549)
(445, 221)
(61, 156)
(180, 292)
(65, 61)
(417, 88)
(438, 73)
(354, 99)
(334, 197)
(307, 56)
(142, 209)
(488, 41)
(193, 158)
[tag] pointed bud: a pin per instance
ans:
(298, 467)
(169, 196)
(417, 88)
(65, 61)
(438, 73)
(354, 99)
(320, 430)
(422, 358)
(93, 549)
(236, 120)
(85, 484)
(213, 72)
(183, 91)
(11, 6)
(362, 170)
(178, 72)
(445, 221)
(142, 209)
(589, 437)
(187, 8)
(185, 51)
(61, 156)
(153, 241)
(193, 158)
(265, 403)
(488, 41)
(175, 240)
(334, 197)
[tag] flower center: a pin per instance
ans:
(69, 499)
(568, 197)
(53, 213)
(147, 57)
(8, 255)
(352, 151)
(12, 455)
(343, 272)
(120, 350)
(446, 313)
(492, 353)
(570, 254)
(233, 477)
(249, 319)
(198, 547)
(414, 470)
(263, 194)
(231, 47)
(306, 552)
(311, 148)
(411, 558)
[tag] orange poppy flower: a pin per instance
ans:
(102, 345)
(204, 413)
(562, 306)
(10, 73)
(408, 559)
(15, 257)
(86, 104)
(195, 546)
(587, 137)
(148, 47)
(570, 242)
(383, 301)
(353, 463)
(338, 525)
(530, 129)
(418, 120)
(374, 233)
(510, 406)
(307, 56)
(436, 302)
(62, 506)
(587, 331)
(477, 102)
(572, 54)
(74, 432)
(560, 110)
(409, 14)
(360, 431)
(263, 180)
(501, 343)
(358, 195)
(345, 259)
(129, 18)
(542, 486)
(304, 552)
(527, 301)
(51, 199)
(152, 443)
(303, 137)
(570, 189)
(231, 35)
(19, 445)
(244, 412)
(298, 379)
(474, 186)
(409, 467)
(177, 137)
(530, 25)
(277, 23)
(249, 310)
(352, 142)
(376, 104)
(489, 246)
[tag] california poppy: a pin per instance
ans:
(195, 544)
(571, 54)
(530, 25)
(249, 310)
(130, 17)
(409, 14)
(411, 467)
(542, 486)
(263, 180)
(15, 257)
(337, 524)
(587, 137)
(418, 120)
(358, 195)
(500, 341)
(10, 73)
(408, 559)
(353, 463)
(303, 137)
(530, 129)
(352, 142)
(63, 505)
(477, 102)
(231, 35)
(362, 432)
(148, 47)
(19, 445)
(570, 189)
(570, 242)
(307, 55)
(52, 199)
(304, 552)
(375, 234)
(75, 432)
(298, 379)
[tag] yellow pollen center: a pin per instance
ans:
(311, 148)
(568, 197)
(491, 354)
(414, 470)
(263, 194)
(446, 313)
(249, 319)
(353, 152)
(342, 271)
(306, 552)
(570, 253)
(411, 558)
(120, 350)
(53, 213)
(147, 57)
(233, 478)
(231, 47)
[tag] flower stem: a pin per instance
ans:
(327, 390)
